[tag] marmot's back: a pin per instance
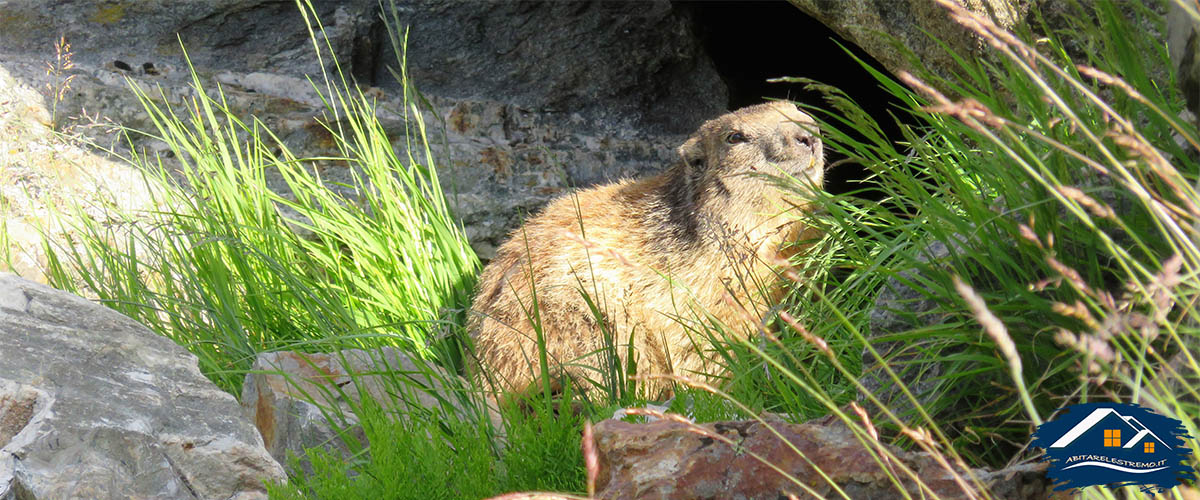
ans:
(648, 254)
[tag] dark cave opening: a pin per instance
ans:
(750, 42)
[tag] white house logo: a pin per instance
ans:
(1115, 444)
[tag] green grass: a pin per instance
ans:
(220, 265)
(1066, 203)
(1067, 206)
(436, 458)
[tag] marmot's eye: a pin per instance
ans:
(735, 137)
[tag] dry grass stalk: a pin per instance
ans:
(1071, 275)
(991, 324)
(60, 81)
(1089, 345)
(1078, 311)
(999, 334)
(816, 341)
(1077, 195)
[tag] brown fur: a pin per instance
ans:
(704, 223)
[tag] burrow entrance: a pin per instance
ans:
(750, 42)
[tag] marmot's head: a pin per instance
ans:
(725, 161)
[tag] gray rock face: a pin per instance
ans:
(234, 35)
(94, 405)
(626, 64)
(530, 99)
(506, 161)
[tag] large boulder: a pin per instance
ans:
(94, 405)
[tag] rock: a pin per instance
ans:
(234, 35)
(1183, 42)
(668, 459)
(901, 306)
(39, 169)
(611, 63)
(910, 22)
(291, 397)
(94, 405)
(628, 67)
(506, 161)
(510, 130)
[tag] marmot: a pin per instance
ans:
(653, 256)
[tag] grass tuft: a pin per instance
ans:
(229, 267)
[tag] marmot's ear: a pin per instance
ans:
(692, 153)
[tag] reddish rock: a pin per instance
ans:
(672, 460)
